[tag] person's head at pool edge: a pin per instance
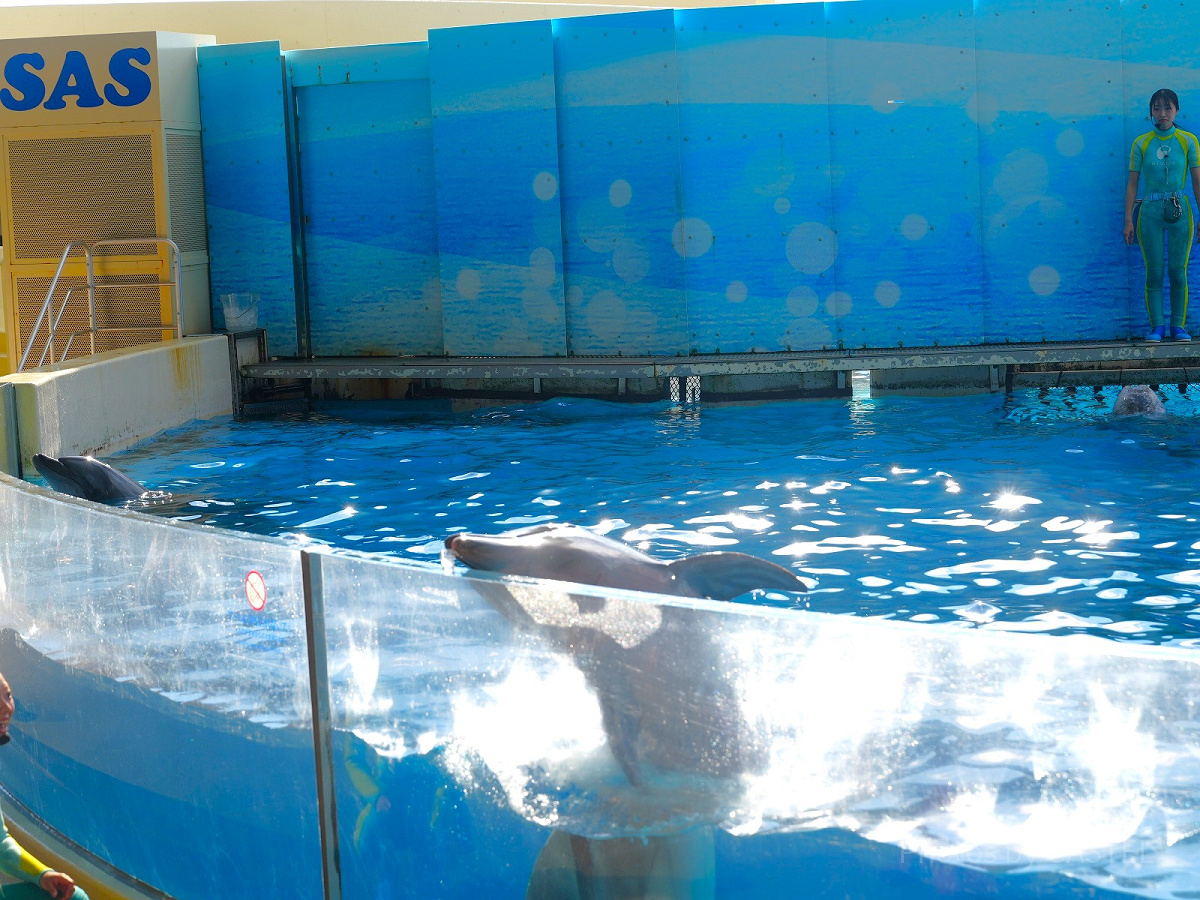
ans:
(7, 707)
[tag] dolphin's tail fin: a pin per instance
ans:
(723, 576)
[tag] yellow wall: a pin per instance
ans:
(126, 157)
(296, 23)
(6, 324)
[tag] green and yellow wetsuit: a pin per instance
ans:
(18, 862)
(1164, 159)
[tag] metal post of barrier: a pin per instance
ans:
(322, 721)
(291, 129)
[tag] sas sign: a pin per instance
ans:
(30, 85)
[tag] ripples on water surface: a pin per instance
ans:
(1026, 512)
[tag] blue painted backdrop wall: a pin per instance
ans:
(248, 184)
(760, 178)
(756, 177)
(625, 234)
(496, 189)
(366, 176)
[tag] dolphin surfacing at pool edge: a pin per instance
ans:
(561, 552)
(90, 479)
(666, 695)
(1138, 400)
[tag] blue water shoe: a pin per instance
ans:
(1159, 332)
(1178, 334)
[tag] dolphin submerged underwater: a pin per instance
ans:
(90, 479)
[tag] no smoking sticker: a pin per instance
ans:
(256, 591)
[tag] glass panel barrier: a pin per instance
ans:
(548, 741)
(163, 711)
(537, 739)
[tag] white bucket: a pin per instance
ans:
(241, 312)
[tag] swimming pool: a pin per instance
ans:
(1025, 512)
(892, 758)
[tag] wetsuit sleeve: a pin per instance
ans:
(1193, 152)
(1135, 156)
(16, 861)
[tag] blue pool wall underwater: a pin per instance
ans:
(765, 178)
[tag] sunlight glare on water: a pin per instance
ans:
(1026, 512)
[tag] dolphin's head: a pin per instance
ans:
(88, 478)
(1138, 400)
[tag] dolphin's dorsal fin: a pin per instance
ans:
(723, 576)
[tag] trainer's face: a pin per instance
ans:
(1163, 113)
(7, 705)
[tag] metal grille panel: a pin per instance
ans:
(185, 192)
(121, 300)
(79, 188)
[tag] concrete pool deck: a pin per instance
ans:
(106, 402)
(986, 367)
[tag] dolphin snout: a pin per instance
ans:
(458, 547)
(478, 551)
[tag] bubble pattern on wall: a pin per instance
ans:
(764, 178)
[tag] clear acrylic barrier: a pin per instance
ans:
(534, 737)
(162, 722)
(543, 740)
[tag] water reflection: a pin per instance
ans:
(907, 491)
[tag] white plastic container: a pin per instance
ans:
(241, 312)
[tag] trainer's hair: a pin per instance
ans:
(1165, 94)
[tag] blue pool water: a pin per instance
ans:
(1024, 512)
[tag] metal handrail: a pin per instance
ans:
(49, 348)
(46, 305)
(92, 330)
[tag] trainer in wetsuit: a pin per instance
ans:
(1164, 156)
(36, 881)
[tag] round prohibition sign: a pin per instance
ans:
(256, 591)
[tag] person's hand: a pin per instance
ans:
(57, 885)
(1129, 233)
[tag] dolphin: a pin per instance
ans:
(90, 479)
(1138, 400)
(667, 698)
(562, 552)
(641, 661)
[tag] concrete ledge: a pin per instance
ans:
(774, 363)
(10, 457)
(937, 380)
(109, 401)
